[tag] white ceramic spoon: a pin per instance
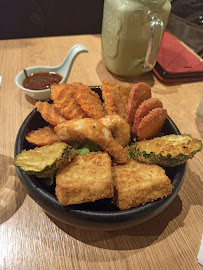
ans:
(63, 69)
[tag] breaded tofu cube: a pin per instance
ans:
(138, 183)
(86, 179)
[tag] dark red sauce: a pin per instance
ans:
(41, 80)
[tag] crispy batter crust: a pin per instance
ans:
(86, 179)
(64, 98)
(119, 128)
(151, 124)
(49, 113)
(94, 130)
(89, 101)
(107, 94)
(169, 150)
(140, 92)
(137, 183)
(116, 97)
(145, 107)
(42, 136)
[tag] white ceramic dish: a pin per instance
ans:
(63, 69)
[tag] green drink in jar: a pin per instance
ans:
(132, 31)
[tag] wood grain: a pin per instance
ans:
(30, 239)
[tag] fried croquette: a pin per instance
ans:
(89, 101)
(42, 136)
(140, 92)
(150, 126)
(145, 107)
(93, 130)
(63, 96)
(120, 129)
(116, 97)
(138, 183)
(49, 113)
(86, 179)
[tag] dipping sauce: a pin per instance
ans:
(41, 80)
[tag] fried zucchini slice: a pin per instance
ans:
(170, 150)
(44, 161)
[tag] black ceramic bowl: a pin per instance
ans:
(102, 214)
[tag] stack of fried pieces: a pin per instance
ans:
(78, 114)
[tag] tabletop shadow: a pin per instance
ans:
(30, 100)
(153, 230)
(18, 97)
(12, 193)
(139, 236)
(130, 241)
(177, 83)
(104, 74)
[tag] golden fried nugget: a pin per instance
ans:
(93, 130)
(140, 92)
(145, 107)
(49, 113)
(151, 124)
(42, 136)
(86, 179)
(119, 128)
(63, 96)
(138, 183)
(116, 97)
(89, 101)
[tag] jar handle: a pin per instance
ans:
(156, 33)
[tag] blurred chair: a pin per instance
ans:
(186, 23)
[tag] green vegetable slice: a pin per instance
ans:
(170, 150)
(44, 161)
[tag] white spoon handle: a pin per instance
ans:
(67, 63)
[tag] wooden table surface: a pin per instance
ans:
(30, 239)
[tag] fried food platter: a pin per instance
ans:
(101, 214)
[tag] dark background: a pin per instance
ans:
(39, 18)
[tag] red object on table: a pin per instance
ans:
(175, 62)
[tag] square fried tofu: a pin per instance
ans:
(86, 179)
(138, 183)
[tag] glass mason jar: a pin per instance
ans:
(131, 34)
